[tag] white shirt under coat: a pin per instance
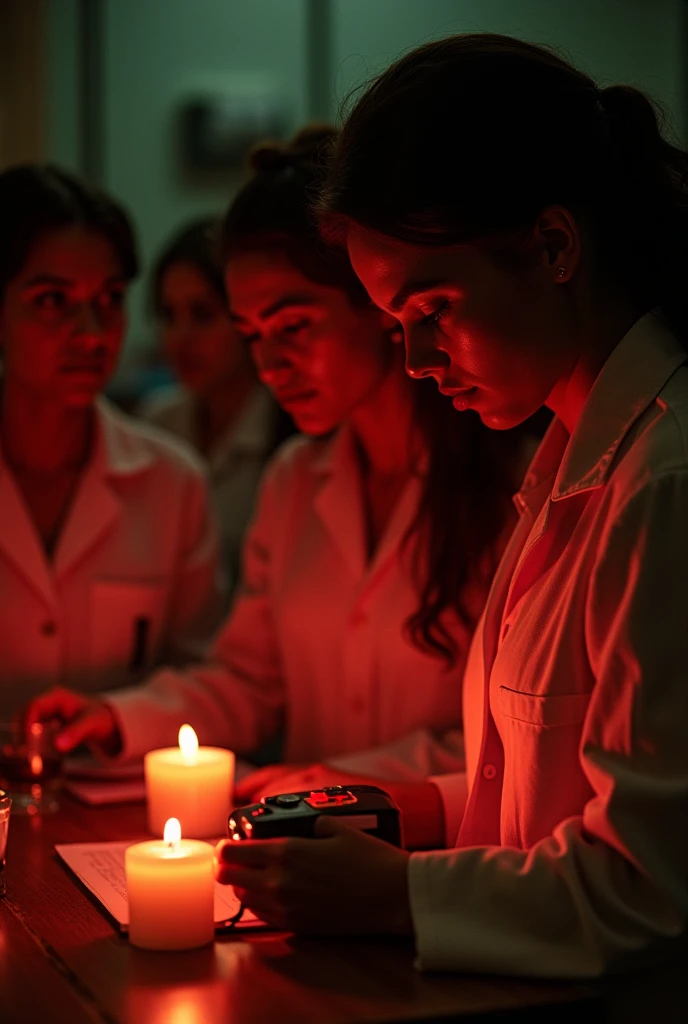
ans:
(235, 462)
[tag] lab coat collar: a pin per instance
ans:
(340, 505)
(335, 449)
(628, 383)
(19, 540)
(630, 380)
(543, 467)
(118, 452)
(117, 449)
(339, 499)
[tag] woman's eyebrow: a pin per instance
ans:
(276, 307)
(47, 279)
(412, 289)
(65, 282)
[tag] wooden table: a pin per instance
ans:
(61, 961)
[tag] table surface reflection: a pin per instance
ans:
(62, 961)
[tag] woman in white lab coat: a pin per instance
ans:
(107, 551)
(373, 543)
(218, 404)
(530, 232)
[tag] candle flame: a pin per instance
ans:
(172, 833)
(188, 744)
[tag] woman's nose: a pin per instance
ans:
(89, 323)
(422, 359)
(175, 338)
(270, 361)
(274, 375)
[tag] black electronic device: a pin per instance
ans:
(294, 814)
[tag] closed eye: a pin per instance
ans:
(295, 328)
(437, 315)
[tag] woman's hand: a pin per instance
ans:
(86, 720)
(294, 778)
(342, 883)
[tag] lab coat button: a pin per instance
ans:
(489, 771)
(49, 628)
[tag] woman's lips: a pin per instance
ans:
(294, 397)
(462, 398)
(94, 370)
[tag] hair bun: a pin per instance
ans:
(303, 150)
(312, 139)
(269, 156)
(631, 114)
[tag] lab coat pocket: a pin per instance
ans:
(126, 624)
(543, 710)
(543, 783)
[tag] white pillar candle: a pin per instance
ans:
(171, 889)
(192, 783)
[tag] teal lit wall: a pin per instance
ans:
(153, 51)
(636, 41)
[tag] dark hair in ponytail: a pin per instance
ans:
(643, 234)
(466, 493)
(469, 138)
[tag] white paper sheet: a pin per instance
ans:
(100, 866)
(85, 766)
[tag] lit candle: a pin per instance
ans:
(171, 888)
(191, 783)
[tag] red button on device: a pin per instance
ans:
(318, 797)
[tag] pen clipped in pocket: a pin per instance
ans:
(139, 643)
(125, 625)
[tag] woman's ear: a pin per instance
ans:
(557, 236)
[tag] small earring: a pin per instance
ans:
(561, 272)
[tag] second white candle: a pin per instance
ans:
(194, 784)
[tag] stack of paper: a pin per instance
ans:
(100, 866)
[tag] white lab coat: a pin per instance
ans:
(315, 641)
(572, 857)
(133, 581)
(235, 462)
